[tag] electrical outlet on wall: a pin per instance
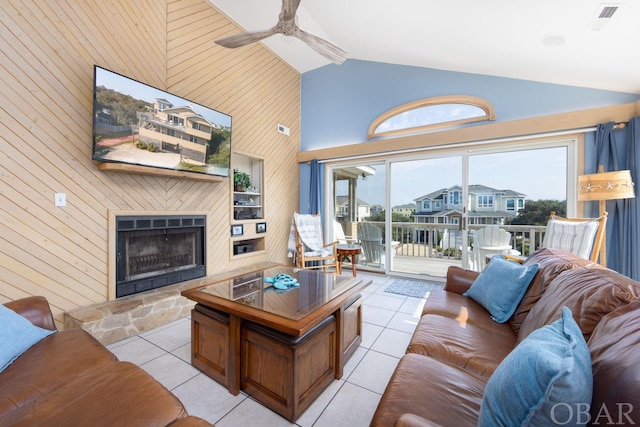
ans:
(60, 199)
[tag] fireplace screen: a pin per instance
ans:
(158, 251)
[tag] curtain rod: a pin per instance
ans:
(620, 125)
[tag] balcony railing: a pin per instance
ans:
(444, 240)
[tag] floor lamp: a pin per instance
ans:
(603, 186)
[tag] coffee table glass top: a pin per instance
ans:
(316, 289)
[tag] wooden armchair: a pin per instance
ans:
(310, 250)
(583, 237)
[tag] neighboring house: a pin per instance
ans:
(342, 209)
(176, 129)
(486, 205)
(376, 209)
(404, 210)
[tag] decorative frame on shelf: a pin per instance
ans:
(261, 227)
(237, 230)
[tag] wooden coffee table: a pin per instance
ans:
(281, 347)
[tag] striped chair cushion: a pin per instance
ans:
(574, 237)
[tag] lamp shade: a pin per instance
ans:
(606, 186)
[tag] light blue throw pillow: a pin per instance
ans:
(17, 335)
(501, 286)
(546, 380)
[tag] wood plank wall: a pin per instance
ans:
(46, 87)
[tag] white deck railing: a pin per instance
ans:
(425, 240)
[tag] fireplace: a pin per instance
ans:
(156, 251)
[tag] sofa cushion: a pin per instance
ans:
(475, 344)
(48, 365)
(17, 335)
(551, 262)
(118, 394)
(544, 381)
(431, 389)
(615, 359)
(590, 293)
(501, 286)
(456, 306)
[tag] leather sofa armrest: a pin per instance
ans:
(36, 309)
(459, 279)
(412, 420)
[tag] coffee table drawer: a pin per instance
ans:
(210, 343)
(287, 373)
(352, 327)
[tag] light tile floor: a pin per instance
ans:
(388, 323)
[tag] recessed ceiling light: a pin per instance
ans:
(554, 41)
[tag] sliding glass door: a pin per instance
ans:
(517, 189)
(428, 211)
(358, 200)
(418, 215)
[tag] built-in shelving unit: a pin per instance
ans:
(248, 206)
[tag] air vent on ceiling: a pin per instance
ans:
(607, 11)
(602, 16)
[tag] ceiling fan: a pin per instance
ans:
(288, 26)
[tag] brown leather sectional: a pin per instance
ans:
(70, 379)
(456, 346)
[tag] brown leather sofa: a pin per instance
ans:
(456, 346)
(70, 379)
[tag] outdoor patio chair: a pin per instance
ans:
(338, 234)
(489, 241)
(307, 246)
(370, 238)
(580, 236)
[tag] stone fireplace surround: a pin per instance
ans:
(128, 316)
(120, 318)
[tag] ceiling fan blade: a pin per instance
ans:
(242, 39)
(289, 8)
(325, 48)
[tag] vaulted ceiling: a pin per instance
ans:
(550, 41)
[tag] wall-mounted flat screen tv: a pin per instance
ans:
(138, 124)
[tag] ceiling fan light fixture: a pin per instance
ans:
(287, 26)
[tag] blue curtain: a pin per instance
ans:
(316, 201)
(626, 234)
(623, 233)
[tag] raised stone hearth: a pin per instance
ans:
(113, 321)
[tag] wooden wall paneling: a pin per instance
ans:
(10, 281)
(46, 83)
(57, 234)
(126, 37)
(33, 204)
(241, 88)
(56, 252)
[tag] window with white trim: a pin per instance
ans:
(485, 201)
(432, 113)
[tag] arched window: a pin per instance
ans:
(431, 113)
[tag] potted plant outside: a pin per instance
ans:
(241, 180)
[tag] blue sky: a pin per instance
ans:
(539, 174)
